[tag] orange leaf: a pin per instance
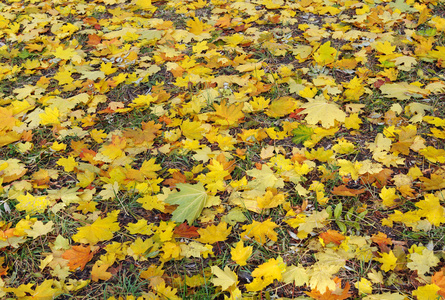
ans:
(343, 190)
(332, 236)
(90, 21)
(94, 39)
(3, 271)
(78, 257)
(178, 177)
(439, 280)
(382, 240)
(223, 22)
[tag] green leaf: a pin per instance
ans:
(234, 216)
(329, 211)
(341, 226)
(24, 54)
(362, 215)
(191, 200)
(338, 210)
(301, 134)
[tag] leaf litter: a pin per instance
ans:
(222, 149)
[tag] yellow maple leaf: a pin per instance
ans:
(433, 155)
(431, 209)
(427, 292)
(196, 26)
(192, 130)
(58, 147)
(270, 270)
(422, 262)
(39, 229)
(31, 204)
(166, 292)
(385, 48)
(364, 286)
(50, 116)
(101, 230)
(46, 290)
(7, 119)
(140, 227)
(389, 197)
(315, 220)
(388, 260)
(320, 277)
(228, 115)
(212, 234)
(85, 178)
(66, 54)
(296, 275)
(326, 54)
(98, 135)
(281, 107)
(269, 200)
(67, 163)
(171, 251)
(241, 254)
(139, 247)
(225, 279)
(260, 231)
(319, 110)
(99, 271)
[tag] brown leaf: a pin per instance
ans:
(380, 179)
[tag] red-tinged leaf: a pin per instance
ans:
(381, 82)
(184, 230)
(296, 114)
